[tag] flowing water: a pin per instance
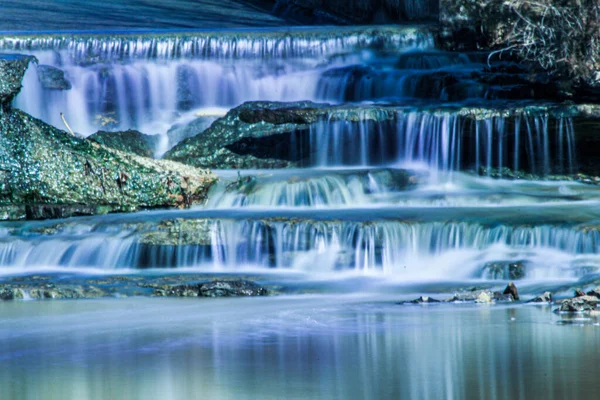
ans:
(395, 201)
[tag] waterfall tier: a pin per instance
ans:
(404, 250)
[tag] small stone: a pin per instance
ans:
(424, 300)
(512, 290)
(484, 297)
(546, 297)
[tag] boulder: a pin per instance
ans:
(511, 290)
(130, 141)
(53, 174)
(48, 173)
(576, 305)
(546, 297)
(254, 135)
(12, 70)
(52, 78)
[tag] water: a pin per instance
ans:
(311, 347)
(147, 81)
(404, 192)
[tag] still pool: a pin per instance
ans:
(327, 347)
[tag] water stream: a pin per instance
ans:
(399, 196)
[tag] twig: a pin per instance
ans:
(66, 124)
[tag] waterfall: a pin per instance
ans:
(448, 141)
(244, 43)
(391, 247)
(147, 82)
(331, 190)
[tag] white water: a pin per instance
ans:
(402, 250)
(448, 141)
(145, 82)
(152, 82)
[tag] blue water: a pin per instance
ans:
(296, 348)
(40, 15)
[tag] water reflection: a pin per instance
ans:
(316, 347)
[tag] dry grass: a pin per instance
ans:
(560, 36)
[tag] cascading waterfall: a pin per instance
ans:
(260, 43)
(448, 141)
(147, 81)
(391, 247)
(152, 81)
(301, 190)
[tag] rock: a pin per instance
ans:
(12, 70)
(264, 135)
(217, 288)
(594, 292)
(576, 305)
(53, 78)
(231, 288)
(9, 293)
(480, 296)
(232, 143)
(424, 300)
(45, 290)
(280, 116)
(511, 289)
(579, 293)
(130, 141)
(53, 174)
(546, 297)
(57, 174)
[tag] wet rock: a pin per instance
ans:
(280, 116)
(579, 293)
(53, 174)
(424, 300)
(595, 292)
(232, 143)
(218, 288)
(53, 78)
(546, 297)
(480, 296)
(45, 290)
(576, 305)
(130, 141)
(12, 70)
(177, 232)
(9, 293)
(511, 290)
